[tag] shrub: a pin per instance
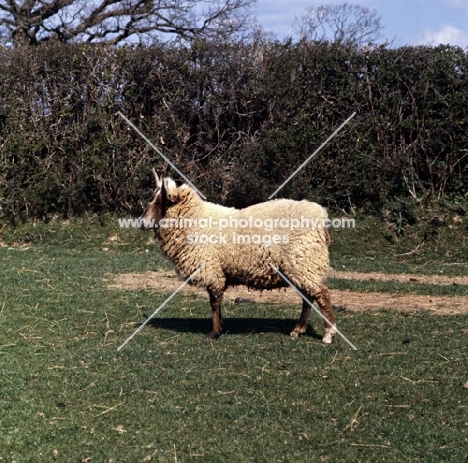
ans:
(236, 119)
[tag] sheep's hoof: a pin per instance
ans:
(212, 336)
(296, 332)
(329, 335)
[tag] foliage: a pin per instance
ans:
(236, 119)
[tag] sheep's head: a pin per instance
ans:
(164, 196)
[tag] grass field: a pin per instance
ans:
(255, 395)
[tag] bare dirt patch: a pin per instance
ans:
(168, 281)
(404, 278)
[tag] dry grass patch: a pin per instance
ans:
(403, 278)
(168, 281)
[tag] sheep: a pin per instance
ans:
(190, 232)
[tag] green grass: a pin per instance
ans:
(255, 395)
(367, 248)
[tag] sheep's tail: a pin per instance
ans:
(327, 238)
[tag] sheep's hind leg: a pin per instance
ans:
(215, 303)
(324, 303)
(322, 298)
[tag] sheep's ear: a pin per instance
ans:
(158, 181)
(169, 190)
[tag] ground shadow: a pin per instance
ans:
(231, 325)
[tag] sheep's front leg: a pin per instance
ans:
(215, 302)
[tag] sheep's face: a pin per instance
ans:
(153, 213)
(156, 209)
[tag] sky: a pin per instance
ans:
(405, 22)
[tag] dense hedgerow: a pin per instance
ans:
(237, 119)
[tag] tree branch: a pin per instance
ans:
(112, 21)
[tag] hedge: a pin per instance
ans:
(236, 119)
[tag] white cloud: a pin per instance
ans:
(447, 35)
(461, 4)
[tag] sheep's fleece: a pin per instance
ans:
(228, 259)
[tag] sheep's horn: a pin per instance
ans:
(158, 181)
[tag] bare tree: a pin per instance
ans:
(31, 22)
(342, 24)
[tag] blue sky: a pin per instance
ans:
(406, 22)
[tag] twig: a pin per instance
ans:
(416, 249)
(353, 422)
(109, 409)
(418, 380)
(371, 445)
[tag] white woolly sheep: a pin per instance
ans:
(235, 250)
